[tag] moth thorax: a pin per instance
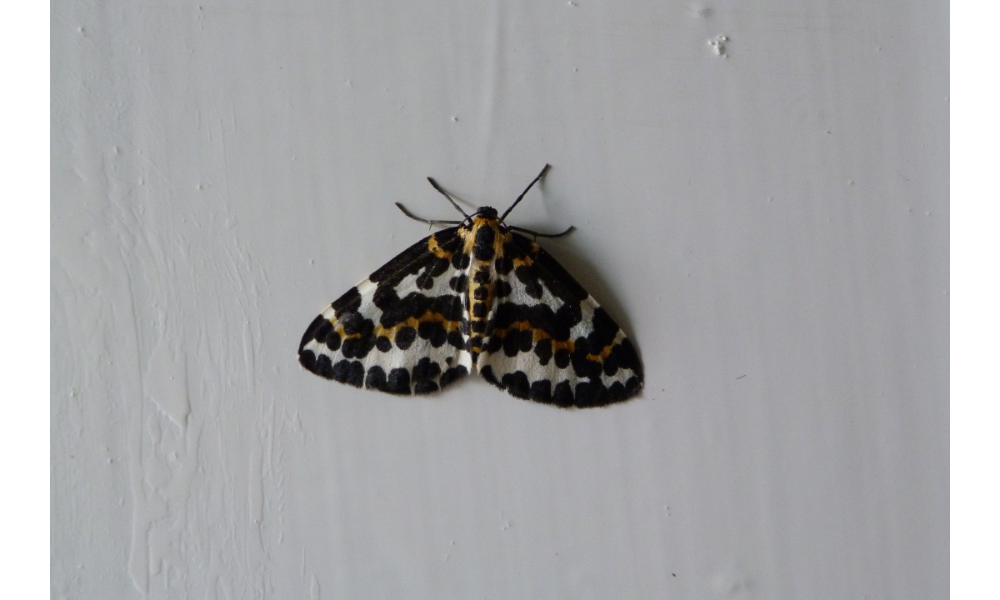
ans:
(486, 240)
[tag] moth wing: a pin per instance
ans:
(401, 330)
(549, 340)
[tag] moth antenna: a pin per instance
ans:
(428, 221)
(448, 196)
(519, 198)
(542, 235)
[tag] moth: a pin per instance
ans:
(477, 295)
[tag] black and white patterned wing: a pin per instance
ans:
(400, 330)
(549, 340)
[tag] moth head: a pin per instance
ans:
(487, 212)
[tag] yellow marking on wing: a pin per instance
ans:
(436, 249)
(537, 335)
(605, 352)
(568, 345)
(391, 332)
(529, 260)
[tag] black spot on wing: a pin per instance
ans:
(546, 269)
(590, 394)
(583, 366)
(398, 382)
(351, 372)
(356, 325)
(610, 365)
(514, 341)
(516, 384)
(541, 391)
(375, 379)
(456, 339)
(632, 386)
(528, 276)
(563, 395)
(487, 373)
(543, 349)
(307, 358)
(424, 387)
(449, 307)
(582, 394)
(628, 358)
(501, 289)
(433, 332)
(415, 305)
(358, 347)
(452, 375)
(348, 303)
(332, 340)
(426, 370)
(405, 337)
(459, 259)
(605, 330)
(459, 283)
(504, 264)
(324, 367)
(317, 330)
(493, 344)
(556, 323)
(562, 358)
(425, 280)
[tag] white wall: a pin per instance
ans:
(769, 223)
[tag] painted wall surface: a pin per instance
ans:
(760, 191)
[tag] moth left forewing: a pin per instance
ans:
(399, 331)
(549, 340)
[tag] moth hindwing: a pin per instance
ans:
(475, 296)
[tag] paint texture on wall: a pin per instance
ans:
(760, 196)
